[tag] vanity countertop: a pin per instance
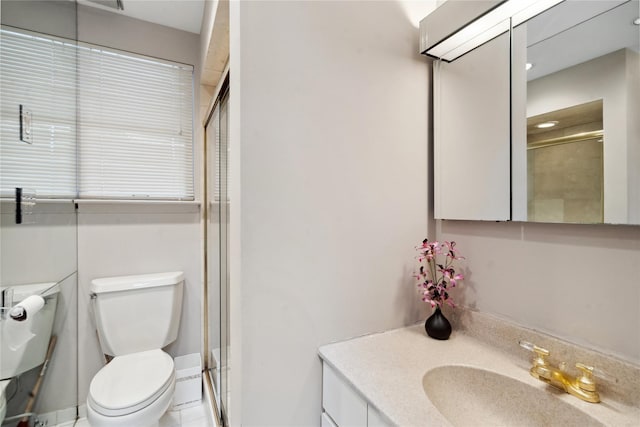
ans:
(388, 369)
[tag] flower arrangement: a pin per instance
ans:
(437, 272)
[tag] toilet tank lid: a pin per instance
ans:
(122, 283)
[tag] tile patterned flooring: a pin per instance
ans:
(190, 417)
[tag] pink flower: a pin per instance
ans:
(451, 250)
(437, 271)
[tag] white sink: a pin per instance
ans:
(468, 396)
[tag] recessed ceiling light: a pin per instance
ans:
(636, 21)
(546, 125)
(528, 66)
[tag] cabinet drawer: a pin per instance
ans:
(340, 401)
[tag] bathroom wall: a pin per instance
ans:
(577, 282)
(55, 17)
(329, 137)
(122, 239)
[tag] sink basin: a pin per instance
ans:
(468, 396)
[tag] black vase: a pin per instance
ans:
(437, 326)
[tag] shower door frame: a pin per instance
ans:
(221, 93)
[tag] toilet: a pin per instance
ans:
(33, 352)
(136, 316)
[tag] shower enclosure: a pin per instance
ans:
(217, 248)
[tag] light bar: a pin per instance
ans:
(488, 26)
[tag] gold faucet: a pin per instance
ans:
(582, 386)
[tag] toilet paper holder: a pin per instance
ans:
(6, 302)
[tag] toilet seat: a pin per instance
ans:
(131, 382)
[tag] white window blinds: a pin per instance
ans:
(38, 73)
(135, 126)
(105, 124)
(217, 134)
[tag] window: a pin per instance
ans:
(106, 124)
(134, 126)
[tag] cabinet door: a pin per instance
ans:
(375, 418)
(340, 401)
(472, 134)
(326, 421)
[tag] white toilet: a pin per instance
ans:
(33, 352)
(136, 316)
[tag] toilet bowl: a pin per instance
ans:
(132, 390)
(136, 316)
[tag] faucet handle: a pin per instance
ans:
(596, 372)
(540, 366)
(586, 381)
(542, 352)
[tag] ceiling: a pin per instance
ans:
(184, 15)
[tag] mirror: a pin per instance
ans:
(572, 77)
(38, 246)
(576, 74)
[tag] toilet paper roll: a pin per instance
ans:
(26, 308)
(18, 327)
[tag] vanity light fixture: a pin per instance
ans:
(546, 125)
(528, 66)
(487, 27)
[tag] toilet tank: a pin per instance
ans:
(137, 313)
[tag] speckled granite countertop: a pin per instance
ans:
(388, 368)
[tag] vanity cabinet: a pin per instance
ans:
(343, 406)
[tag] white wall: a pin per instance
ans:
(55, 17)
(116, 240)
(577, 282)
(329, 137)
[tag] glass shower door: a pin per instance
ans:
(217, 246)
